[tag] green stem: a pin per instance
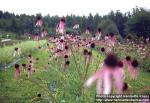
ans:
(44, 90)
(75, 61)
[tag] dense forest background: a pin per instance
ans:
(136, 23)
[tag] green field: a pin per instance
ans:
(51, 82)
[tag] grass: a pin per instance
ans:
(6, 53)
(9, 43)
(53, 83)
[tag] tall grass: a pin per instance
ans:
(6, 53)
(56, 85)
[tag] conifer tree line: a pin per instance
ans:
(136, 23)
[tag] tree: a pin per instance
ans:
(108, 26)
(139, 23)
(120, 20)
(90, 22)
(97, 20)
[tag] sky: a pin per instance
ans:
(68, 7)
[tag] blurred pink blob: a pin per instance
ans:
(17, 71)
(61, 26)
(39, 22)
(44, 33)
(104, 74)
(36, 37)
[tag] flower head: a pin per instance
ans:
(67, 62)
(99, 29)
(102, 49)
(39, 95)
(92, 45)
(85, 52)
(61, 40)
(16, 49)
(120, 64)
(63, 20)
(39, 18)
(125, 87)
(89, 53)
(36, 34)
(111, 34)
(29, 66)
(129, 37)
(24, 65)
(29, 56)
(135, 63)
(128, 58)
(39, 21)
(29, 69)
(111, 60)
(16, 65)
(37, 59)
(66, 56)
(39, 47)
(88, 28)
(30, 61)
(66, 47)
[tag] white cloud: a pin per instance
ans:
(64, 7)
